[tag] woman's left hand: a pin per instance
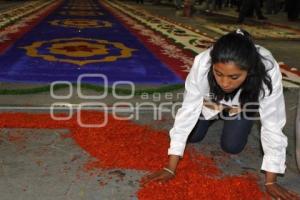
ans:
(279, 192)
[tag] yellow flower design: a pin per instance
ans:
(81, 23)
(78, 51)
(81, 13)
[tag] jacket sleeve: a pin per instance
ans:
(273, 118)
(191, 107)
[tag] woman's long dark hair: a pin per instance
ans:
(237, 47)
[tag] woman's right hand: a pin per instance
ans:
(160, 176)
(165, 174)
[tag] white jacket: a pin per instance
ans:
(271, 110)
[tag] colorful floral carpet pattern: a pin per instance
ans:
(260, 32)
(17, 12)
(76, 40)
(263, 30)
(139, 147)
(15, 22)
(180, 37)
(134, 46)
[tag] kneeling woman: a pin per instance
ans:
(226, 80)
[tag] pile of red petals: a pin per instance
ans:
(125, 145)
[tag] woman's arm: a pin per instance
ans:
(273, 119)
(195, 86)
(173, 161)
(277, 191)
(274, 142)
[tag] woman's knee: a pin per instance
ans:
(191, 140)
(235, 135)
(196, 135)
(232, 148)
(194, 139)
(199, 131)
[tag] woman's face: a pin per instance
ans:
(229, 76)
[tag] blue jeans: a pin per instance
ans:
(234, 135)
